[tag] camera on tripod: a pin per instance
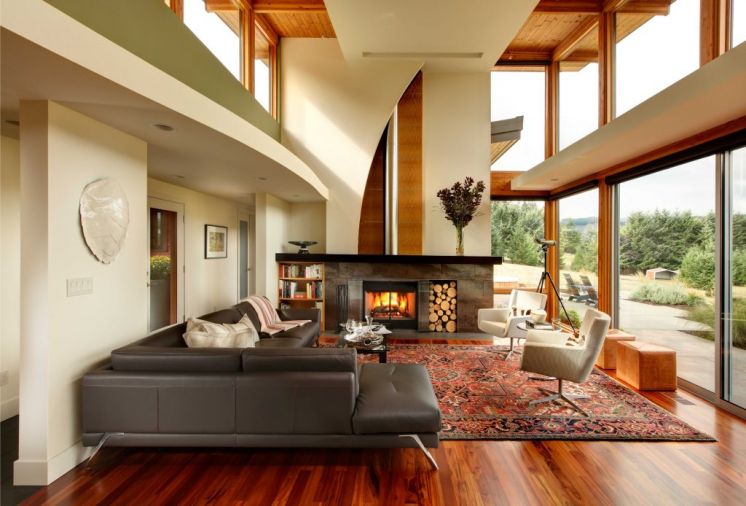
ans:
(545, 243)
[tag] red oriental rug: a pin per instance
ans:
(483, 396)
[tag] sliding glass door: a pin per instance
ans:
(734, 307)
(666, 284)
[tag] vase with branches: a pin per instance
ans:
(460, 203)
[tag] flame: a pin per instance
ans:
(389, 302)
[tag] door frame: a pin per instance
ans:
(178, 208)
(249, 218)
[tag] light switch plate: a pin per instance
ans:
(79, 286)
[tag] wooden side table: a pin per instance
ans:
(646, 366)
(607, 357)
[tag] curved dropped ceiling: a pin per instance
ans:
(216, 150)
(707, 98)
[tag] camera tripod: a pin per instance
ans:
(544, 247)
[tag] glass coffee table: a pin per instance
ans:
(381, 349)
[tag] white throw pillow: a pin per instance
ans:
(204, 334)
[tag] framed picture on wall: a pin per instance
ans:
(216, 241)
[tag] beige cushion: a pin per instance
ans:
(497, 329)
(204, 334)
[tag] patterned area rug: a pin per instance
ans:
(483, 396)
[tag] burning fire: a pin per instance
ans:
(389, 304)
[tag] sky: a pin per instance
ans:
(650, 59)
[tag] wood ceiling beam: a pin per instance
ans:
(657, 7)
(570, 42)
(222, 5)
(513, 57)
(569, 6)
(288, 6)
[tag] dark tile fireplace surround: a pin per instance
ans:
(345, 274)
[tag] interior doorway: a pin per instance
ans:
(243, 259)
(166, 263)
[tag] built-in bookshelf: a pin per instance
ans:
(301, 285)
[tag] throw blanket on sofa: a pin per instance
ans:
(268, 317)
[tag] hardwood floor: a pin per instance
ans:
(471, 472)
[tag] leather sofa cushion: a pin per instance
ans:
(306, 333)
(271, 359)
(395, 398)
(173, 359)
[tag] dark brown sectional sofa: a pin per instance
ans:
(282, 393)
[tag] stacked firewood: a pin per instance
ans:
(442, 306)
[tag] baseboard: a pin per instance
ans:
(9, 408)
(44, 472)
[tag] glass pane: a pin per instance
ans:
(736, 319)
(738, 26)
(578, 254)
(262, 73)
(515, 226)
(222, 40)
(520, 93)
(162, 259)
(667, 265)
(578, 101)
(654, 52)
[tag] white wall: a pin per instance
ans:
(277, 222)
(308, 223)
(333, 114)
(210, 284)
(455, 144)
(10, 273)
(64, 337)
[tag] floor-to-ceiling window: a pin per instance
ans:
(520, 93)
(578, 253)
(515, 227)
(666, 262)
(735, 307)
(657, 54)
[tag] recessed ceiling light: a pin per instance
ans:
(164, 127)
(13, 122)
(177, 176)
(554, 180)
(262, 178)
(296, 196)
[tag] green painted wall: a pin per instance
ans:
(148, 29)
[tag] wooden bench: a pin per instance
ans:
(607, 357)
(646, 366)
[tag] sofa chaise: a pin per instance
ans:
(267, 396)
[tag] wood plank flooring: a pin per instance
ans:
(471, 472)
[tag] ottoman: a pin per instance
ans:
(646, 366)
(607, 357)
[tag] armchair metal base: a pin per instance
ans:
(101, 443)
(560, 395)
(512, 347)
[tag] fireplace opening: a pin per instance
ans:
(393, 303)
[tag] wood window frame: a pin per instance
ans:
(273, 40)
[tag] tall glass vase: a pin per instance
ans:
(460, 241)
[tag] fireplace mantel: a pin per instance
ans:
(389, 259)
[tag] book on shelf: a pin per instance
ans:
(300, 271)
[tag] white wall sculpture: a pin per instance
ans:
(104, 217)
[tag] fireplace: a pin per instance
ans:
(393, 303)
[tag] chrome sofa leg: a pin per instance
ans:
(101, 443)
(422, 447)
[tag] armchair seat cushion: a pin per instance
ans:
(395, 399)
(497, 329)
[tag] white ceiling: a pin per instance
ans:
(709, 97)
(447, 35)
(212, 149)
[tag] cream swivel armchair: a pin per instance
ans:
(545, 352)
(501, 322)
